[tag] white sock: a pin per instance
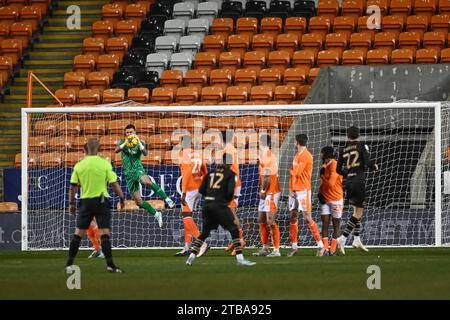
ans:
(265, 247)
(240, 257)
(294, 246)
(320, 244)
(356, 238)
(276, 250)
(186, 246)
(192, 256)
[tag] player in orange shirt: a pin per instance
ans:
(193, 169)
(269, 195)
(300, 194)
(331, 197)
(229, 148)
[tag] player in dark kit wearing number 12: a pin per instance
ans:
(218, 189)
(352, 164)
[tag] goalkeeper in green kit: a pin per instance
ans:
(132, 149)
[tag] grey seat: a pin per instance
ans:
(219, 3)
(166, 44)
(157, 62)
(194, 2)
(190, 44)
(181, 61)
(198, 27)
(207, 10)
(184, 11)
(175, 28)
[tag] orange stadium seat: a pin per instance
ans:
(6, 68)
(117, 46)
(270, 77)
(94, 46)
(344, 25)
(402, 56)
(70, 128)
(440, 23)
(171, 79)
(237, 94)
(71, 158)
(214, 44)
(271, 26)
(328, 8)
(248, 122)
(4, 31)
(117, 127)
(361, 41)
(425, 8)
(108, 63)
(263, 43)
(80, 141)
(436, 40)
(418, 24)
(401, 8)
(84, 63)
(163, 96)
(62, 143)
(393, 24)
(378, 56)
(383, 5)
(17, 3)
(279, 60)
(38, 143)
(127, 29)
(50, 160)
(285, 93)
(98, 80)
(295, 76)
(254, 60)
(444, 6)
(246, 78)
(385, 40)
(162, 141)
(312, 42)
(31, 15)
(21, 31)
(238, 44)
(268, 122)
(296, 25)
(427, 56)
(9, 14)
(409, 40)
(220, 123)
(247, 26)
(146, 126)
(74, 80)
(261, 94)
(187, 95)
(90, 96)
(135, 12)
(194, 123)
(206, 61)
(12, 48)
(42, 4)
(445, 55)
(320, 25)
(230, 61)
(196, 78)
(302, 91)
(170, 124)
(67, 96)
(9, 207)
(328, 58)
(221, 78)
(352, 8)
(113, 95)
(287, 42)
(354, 57)
(304, 58)
(364, 25)
(112, 12)
(336, 42)
(153, 158)
(212, 95)
(102, 29)
(312, 75)
(141, 95)
(223, 27)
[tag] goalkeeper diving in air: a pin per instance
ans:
(132, 149)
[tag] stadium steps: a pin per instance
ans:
(50, 58)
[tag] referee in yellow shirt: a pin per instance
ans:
(93, 174)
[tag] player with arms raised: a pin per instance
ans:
(331, 197)
(135, 174)
(300, 193)
(193, 169)
(269, 195)
(352, 164)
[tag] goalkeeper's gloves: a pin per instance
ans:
(321, 198)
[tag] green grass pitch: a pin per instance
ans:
(155, 274)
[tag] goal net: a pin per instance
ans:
(407, 205)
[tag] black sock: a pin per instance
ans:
(73, 249)
(195, 248)
(237, 245)
(351, 224)
(357, 229)
(107, 251)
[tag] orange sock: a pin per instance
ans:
(93, 235)
(325, 243)
(241, 234)
(275, 236)
(293, 232)
(190, 229)
(264, 232)
(314, 230)
(333, 245)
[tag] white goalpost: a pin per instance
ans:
(407, 199)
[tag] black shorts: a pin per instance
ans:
(90, 208)
(356, 192)
(218, 215)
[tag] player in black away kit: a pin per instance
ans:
(352, 164)
(218, 190)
